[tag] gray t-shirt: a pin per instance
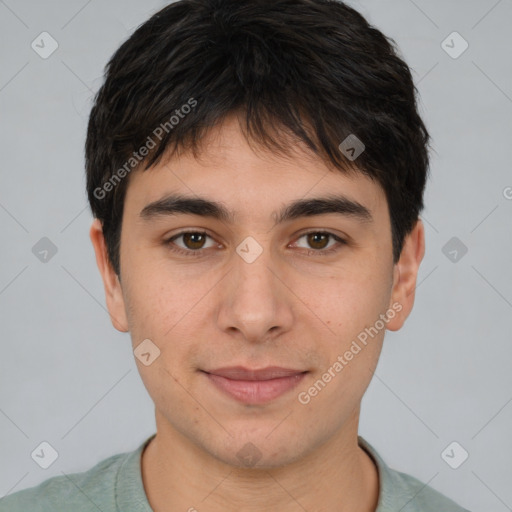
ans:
(115, 485)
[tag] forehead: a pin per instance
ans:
(228, 141)
(250, 177)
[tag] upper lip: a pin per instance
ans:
(241, 373)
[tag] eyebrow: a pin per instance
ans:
(175, 204)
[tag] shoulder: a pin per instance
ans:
(418, 496)
(89, 490)
(400, 491)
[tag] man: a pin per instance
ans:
(256, 171)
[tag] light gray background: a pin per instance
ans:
(69, 378)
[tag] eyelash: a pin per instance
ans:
(199, 252)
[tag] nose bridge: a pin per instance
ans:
(254, 301)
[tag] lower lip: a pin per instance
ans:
(255, 391)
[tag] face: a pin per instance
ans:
(303, 294)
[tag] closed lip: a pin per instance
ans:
(261, 374)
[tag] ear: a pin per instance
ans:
(405, 273)
(113, 292)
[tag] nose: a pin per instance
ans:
(255, 304)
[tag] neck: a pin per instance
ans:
(337, 476)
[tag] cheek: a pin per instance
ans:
(346, 304)
(351, 347)
(156, 298)
(167, 310)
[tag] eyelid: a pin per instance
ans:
(169, 242)
(339, 239)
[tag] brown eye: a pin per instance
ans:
(194, 240)
(318, 240)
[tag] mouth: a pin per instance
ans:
(254, 386)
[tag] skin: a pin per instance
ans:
(291, 307)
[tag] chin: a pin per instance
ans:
(259, 452)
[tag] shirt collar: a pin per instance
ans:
(131, 495)
(129, 489)
(395, 490)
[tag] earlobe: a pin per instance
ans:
(405, 276)
(113, 292)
